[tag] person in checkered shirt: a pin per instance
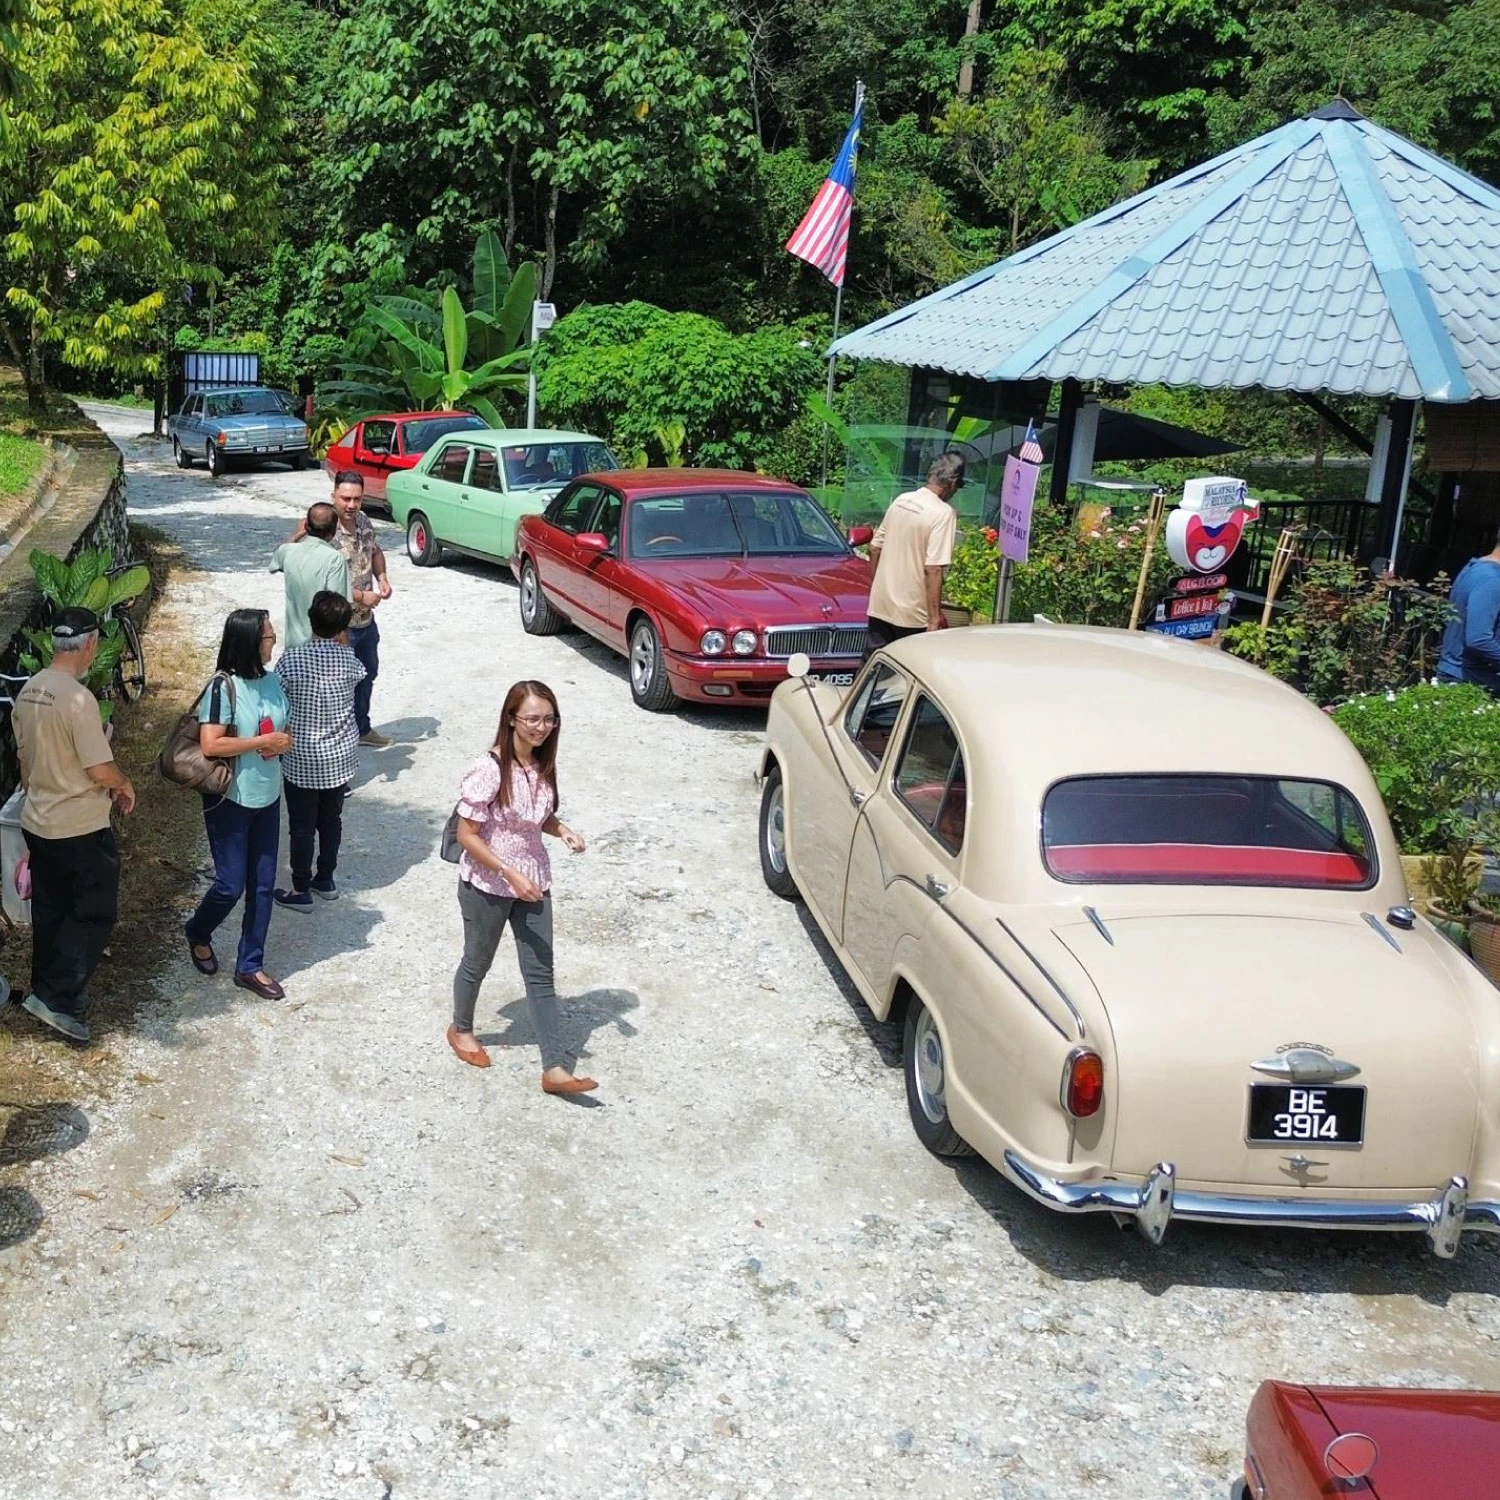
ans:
(319, 678)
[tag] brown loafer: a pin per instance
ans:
(568, 1086)
(209, 965)
(474, 1055)
(266, 988)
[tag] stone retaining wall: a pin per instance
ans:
(88, 510)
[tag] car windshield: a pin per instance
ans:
(759, 523)
(421, 435)
(1206, 830)
(246, 404)
(535, 466)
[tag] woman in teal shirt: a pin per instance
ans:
(243, 718)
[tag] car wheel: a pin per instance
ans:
(179, 453)
(214, 459)
(773, 865)
(926, 1071)
(537, 616)
(422, 546)
(299, 461)
(648, 672)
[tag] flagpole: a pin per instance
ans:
(838, 311)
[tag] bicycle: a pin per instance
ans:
(129, 680)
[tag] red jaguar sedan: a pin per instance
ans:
(377, 447)
(706, 580)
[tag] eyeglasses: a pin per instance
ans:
(534, 721)
(268, 635)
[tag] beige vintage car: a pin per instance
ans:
(1141, 911)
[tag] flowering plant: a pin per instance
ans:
(1073, 577)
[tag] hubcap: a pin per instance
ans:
(642, 660)
(419, 537)
(776, 830)
(528, 592)
(929, 1070)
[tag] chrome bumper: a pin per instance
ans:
(1155, 1201)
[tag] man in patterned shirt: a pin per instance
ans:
(355, 538)
(320, 678)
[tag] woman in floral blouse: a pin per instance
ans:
(507, 801)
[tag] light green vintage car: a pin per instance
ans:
(469, 493)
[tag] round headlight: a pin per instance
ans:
(744, 643)
(713, 643)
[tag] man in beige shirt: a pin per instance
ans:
(71, 780)
(910, 556)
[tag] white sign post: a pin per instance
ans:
(543, 316)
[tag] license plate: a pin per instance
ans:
(259, 448)
(833, 679)
(1283, 1114)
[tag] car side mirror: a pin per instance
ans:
(798, 664)
(381, 450)
(861, 536)
(593, 541)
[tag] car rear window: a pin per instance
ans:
(420, 435)
(1206, 830)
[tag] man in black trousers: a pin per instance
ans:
(71, 780)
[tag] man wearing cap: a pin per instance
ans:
(71, 779)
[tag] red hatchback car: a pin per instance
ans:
(1310, 1442)
(378, 446)
(706, 580)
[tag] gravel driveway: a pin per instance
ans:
(307, 1253)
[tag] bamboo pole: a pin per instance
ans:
(1153, 526)
(1281, 562)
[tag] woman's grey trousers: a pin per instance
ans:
(485, 918)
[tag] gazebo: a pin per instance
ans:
(1328, 256)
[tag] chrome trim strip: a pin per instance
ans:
(984, 949)
(1046, 974)
(1099, 926)
(1436, 1217)
(1380, 927)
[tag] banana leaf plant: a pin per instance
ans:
(424, 352)
(85, 584)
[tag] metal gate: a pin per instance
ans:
(197, 370)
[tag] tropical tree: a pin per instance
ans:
(428, 352)
(134, 156)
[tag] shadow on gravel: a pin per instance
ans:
(20, 1216)
(33, 1132)
(582, 1016)
(729, 719)
(388, 765)
(1092, 1248)
(884, 1036)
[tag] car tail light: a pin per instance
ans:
(1083, 1083)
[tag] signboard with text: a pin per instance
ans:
(1017, 495)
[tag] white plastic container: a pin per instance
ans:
(12, 850)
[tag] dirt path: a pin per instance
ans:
(304, 1252)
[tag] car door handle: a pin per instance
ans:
(858, 798)
(424, 484)
(936, 888)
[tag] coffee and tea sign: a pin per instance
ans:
(1201, 536)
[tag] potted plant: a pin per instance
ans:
(1452, 878)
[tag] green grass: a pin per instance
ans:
(19, 460)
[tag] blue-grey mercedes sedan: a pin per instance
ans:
(245, 425)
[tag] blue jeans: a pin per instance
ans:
(244, 842)
(364, 641)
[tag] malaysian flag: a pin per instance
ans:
(1031, 450)
(822, 238)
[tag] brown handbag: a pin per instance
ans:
(182, 761)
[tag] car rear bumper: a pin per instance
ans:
(727, 680)
(1155, 1201)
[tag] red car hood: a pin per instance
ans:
(768, 590)
(1432, 1443)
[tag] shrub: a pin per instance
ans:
(631, 370)
(1073, 577)
(1435, 755)
(1343, 632)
